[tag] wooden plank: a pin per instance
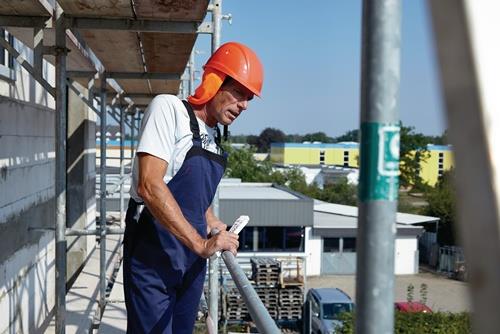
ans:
(175, 10)
(98, 8)
(23, 7)
(118, 51)
(165, 87)
(167, 52)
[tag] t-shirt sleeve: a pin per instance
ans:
(158, 129)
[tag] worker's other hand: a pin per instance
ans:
(220, 242)
(215, 224)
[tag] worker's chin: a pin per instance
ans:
(226, 121)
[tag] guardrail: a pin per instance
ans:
(257, 310)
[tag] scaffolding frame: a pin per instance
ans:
(65, 26)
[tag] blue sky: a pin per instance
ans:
(311, 57)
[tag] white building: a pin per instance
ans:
(287, 224)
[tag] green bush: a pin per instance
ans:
(420, 323)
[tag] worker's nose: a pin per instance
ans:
(243, 105)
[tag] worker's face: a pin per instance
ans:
(229, 102)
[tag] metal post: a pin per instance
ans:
(122, 164)
(378, 189)
(213, 276)
(258, 312)
(102, 215)
(466, 35)
(213, 262)
(191, 73)
(60, 187)
(132, 134)
(216, 21)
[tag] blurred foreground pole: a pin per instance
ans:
(466, 33)
(379, 170)
(213, 262)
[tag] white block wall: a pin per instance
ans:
(27, 155)
(27, 170)
(27, 287)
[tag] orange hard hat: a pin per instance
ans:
(240, 63)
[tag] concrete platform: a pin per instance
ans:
(82, 299)
(114, 320)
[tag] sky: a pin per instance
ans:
(311, 56)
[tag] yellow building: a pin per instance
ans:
(439, 160)
(315, 154)
(346, 154)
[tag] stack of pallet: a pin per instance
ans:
(236, 309)
(269, 297)
(290, 302)
(266, 275)
(265, 271)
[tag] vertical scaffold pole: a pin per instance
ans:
(102, 214)
(60, 187)
(122, 164)
(379, 170)
(132, 134)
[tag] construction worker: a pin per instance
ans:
(178, 166)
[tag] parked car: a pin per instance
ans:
(327, 304)
(412, 307)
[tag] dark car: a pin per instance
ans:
(412, 307)
(327, 304)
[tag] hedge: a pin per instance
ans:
(435, 323)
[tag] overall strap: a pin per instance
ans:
(193, 122)
(218, 140)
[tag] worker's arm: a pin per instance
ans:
(162, 204)
(213, 222)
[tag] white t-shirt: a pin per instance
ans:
(165, 133)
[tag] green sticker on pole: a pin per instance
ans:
(379, 162)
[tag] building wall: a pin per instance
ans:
(432, 168)
(26, 202)
(27, 206)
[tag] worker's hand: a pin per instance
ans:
(220, 242)
(215, 224)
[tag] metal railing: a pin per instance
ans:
(259, 313)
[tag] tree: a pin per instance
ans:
(442, 204)
(318, 136)
(352, 135)
(413, 151)
(295, 138)
(268, 136)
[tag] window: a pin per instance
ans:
(333, 311)
(440, 164)
(349, 245)
(321, 157)
(272, 239)
(6, 59)
(346, 158)
(331, 245)
(314, 307)
(246, 239)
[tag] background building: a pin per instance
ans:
(346, 154)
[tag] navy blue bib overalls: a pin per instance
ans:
(163, 279)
